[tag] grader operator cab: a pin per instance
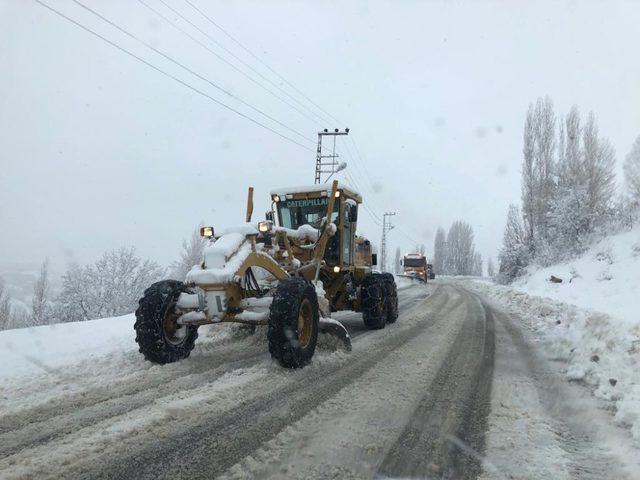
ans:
(289, 272)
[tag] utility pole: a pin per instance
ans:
(386, 227)
(328, 161)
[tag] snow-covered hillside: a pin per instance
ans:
(606, 278)
(591, 320)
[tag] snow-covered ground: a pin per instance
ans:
(590, 321)
(606, 278)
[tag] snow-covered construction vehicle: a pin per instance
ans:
(288, 272)
(414, 265)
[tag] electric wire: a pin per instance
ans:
(237, 42)
(229, 52)
(201, 77)
(176, 79)
(220, 57)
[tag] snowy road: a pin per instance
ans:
(413, 400)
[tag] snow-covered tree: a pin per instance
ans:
(40, 303)
(191, 254)
(570, 169)
(491, 269)
(5, 307)
(110, 287)
(397, 268)
(632, 171)
(529, 181)
(460, 249)
(571, 220)
(598, 164)
(514, 255)
(477, 265)
(439, 251)
(538, 170)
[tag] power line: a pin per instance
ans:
(236, 57)
(355, 146)
(245, 74)
(129, 34)
(176, 79)
(237, 42)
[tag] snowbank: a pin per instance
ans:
(606, 278)
(44, 349)
(600, 350)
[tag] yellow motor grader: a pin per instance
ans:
(288, 272)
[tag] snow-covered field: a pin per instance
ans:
(590, 321)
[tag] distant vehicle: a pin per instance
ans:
(414, 265)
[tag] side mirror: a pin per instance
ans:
(374, 259)
(269, 216)
(353, 213)
(400, 262)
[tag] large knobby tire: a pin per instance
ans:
(160, 338)
(372, 301)
(391, 297)
(293, 323)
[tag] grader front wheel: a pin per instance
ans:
(160, 338)
(293, 323)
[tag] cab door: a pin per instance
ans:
(349, 217)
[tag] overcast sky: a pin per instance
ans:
(97, 150)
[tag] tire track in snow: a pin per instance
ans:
(445, 436)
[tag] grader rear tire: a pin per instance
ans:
(293, 323)
(160, 338)
(372, 301)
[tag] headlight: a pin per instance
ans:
(206, 232)
(265, 226)
(336, 269)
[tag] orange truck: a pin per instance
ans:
(415, 265)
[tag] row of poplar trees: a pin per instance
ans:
(568, 190)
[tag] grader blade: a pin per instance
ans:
(335, 328)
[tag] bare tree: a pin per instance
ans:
(544, 163)
(439, 251)
(529, 182)
(5, 307)
(40, 304)
(632, 171)
(599, 164)
(191, 254)
(460, 249)
(570, 170)
(110, 287)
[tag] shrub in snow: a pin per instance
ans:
(605, 255)
(109, 288)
